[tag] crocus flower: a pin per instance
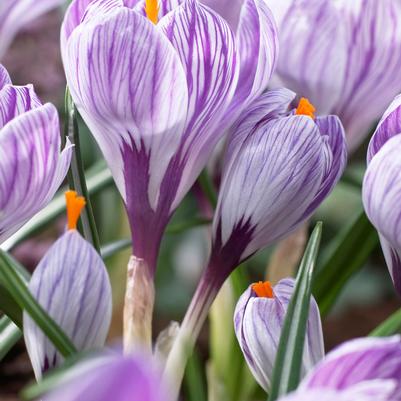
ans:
(31, 165)
(258, 320)
(71, 283)
(158, 97)
(16, 14)
(280, 165)
(362, 369)
(381, 190)
(115, 377)
(358, 76)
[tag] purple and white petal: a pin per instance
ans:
(31, 166)
(16, 100)
(206, 47)
(16, 14)
(270, 183)
(258, 324)
(257, 43)
(119, 378)
(359, 361)
(389, 125)
(129, 86)
(4, 77)
(381, 194)
(71, 283)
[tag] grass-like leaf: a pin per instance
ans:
(18, 289)
(346, 255)
(288, 363)
(391, 326)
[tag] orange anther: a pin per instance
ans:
(152, 10)
(263, 289)
(75, 204)
(305, 108)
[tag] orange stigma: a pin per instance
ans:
(75, 204)
(263, 289)
(152, 10)
(305, 108)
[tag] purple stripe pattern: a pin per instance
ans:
(356, 78)
(71, 283)
(381, 194)
(258, 322)
(115, 377)
(158, 98)
(16, 14)
(278, 169)
(31, 165)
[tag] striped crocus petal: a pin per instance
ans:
(275, 176)
(16, 100)
(258, 321)
(118, 378)
(129, 86)
(31, 166)
(71, 283)
(4, 77)
(16, 14)
(206, 47)
(381, 194)
(358, 361)
(389, 125)
(355, 79)
(375, 390)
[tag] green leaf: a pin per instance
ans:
(389, 327)
(18, 289)
(346, 255)
(194, 379)
(9, 335)
(98, 179)
(288, 363)
(208, 189)
(76, 174)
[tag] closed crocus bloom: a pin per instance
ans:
(31, 165)
(360, 370)
(71, 283)
(281, 163)
(258, 320)
(16, 14)
(381, 190)
(117, 378)
(358, 76)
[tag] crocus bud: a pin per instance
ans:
(381, 189)
(71, 283)
(258, 320)
(117, 378)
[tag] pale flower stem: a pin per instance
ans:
(189, 331)
(138, 307)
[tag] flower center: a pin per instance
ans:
(263, 289)
(75, 204)
(305, 108)
(152, 10)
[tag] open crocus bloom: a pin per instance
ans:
(31, 165)
(365, 369)
(113, 377)
(158, 97)
(381, 188)
(71, 283)
(16, 14)
(258, 321)
(358, 76)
